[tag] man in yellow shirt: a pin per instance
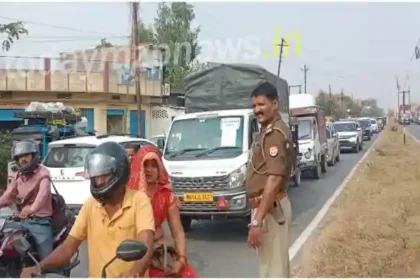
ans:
(112, 215)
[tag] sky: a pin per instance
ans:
(357, 47)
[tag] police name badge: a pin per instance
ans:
(274, 150)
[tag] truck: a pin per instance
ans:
(313, 144)
(44, 127)
(207, 149)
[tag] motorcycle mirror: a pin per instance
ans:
(21, 245)
(128, 250)
(131, 250)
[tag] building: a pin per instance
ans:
(98, 82)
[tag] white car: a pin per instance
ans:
(65, 161)
(350, 135)
(374, 125)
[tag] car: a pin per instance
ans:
(374, 125)
(333, 155)
(66, 159)
(367, 128)
(350, 135)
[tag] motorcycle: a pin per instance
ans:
(128, 251)
(11, 229)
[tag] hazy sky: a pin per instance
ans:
(359, 47)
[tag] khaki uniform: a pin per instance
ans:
(272, 154)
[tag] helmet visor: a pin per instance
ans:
(99, 164)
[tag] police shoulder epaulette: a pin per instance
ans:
(269, 129)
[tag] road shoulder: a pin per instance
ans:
(371, 230)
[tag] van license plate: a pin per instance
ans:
(198, 197)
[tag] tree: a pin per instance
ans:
(173, 28)
(146, 34)
(338, 106)
(13, 31)
(104, 44)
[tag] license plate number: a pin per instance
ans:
(198, 197)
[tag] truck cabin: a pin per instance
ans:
(307, 124)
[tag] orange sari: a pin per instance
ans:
(162, 198)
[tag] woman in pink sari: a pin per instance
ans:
(149, 175)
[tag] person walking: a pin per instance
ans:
(268, 174)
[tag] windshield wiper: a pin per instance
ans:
(183, 151)
(303, 136)
(209, 151)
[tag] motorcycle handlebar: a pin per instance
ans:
(50, 274)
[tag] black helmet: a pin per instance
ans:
(25, 147)
(108, 158)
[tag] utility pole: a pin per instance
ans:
(282, 44)
(342, 99)
(305, 69)
(135, 44)
(403, 108)
(330, 100)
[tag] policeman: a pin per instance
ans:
(267, 179)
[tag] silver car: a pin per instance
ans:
(350, 134)
(333, 145)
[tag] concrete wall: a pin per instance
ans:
(161, 119)
(18, 80)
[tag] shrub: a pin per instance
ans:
(5, 148)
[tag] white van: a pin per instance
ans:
(66, 159)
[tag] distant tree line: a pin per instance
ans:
(340, 105)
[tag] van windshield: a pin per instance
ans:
(305, 129)
(220, 136)
(67, 157)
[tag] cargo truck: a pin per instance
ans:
(207, 149)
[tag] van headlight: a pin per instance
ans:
(237, 177)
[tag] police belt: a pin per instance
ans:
(256, 201)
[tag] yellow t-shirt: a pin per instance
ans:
(103, 235)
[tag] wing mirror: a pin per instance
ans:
(161, 144)
(128, 251)
(359, 129)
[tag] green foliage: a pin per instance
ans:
(5, 148)
(13, 31)
(343, 106)
(146, 33)
(172, 27)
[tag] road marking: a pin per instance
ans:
(304, 236)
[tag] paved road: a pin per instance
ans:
(219, 249)
(414, 129)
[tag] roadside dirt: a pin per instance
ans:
(373, 229)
